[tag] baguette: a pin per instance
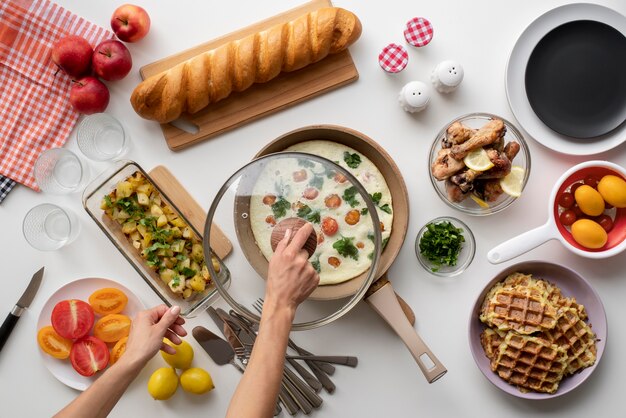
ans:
(213, 75)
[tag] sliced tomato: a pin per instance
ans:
(118, 350)
(334, 261)
(112, 328)
(310, 193)
(332, 201)
(329, 226)
(89, 355)
(72, 318)
(53, 344)
(300, 175)
(108, 301)
(353, 217)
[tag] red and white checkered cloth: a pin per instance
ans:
(418, 32)
(393, 58)
(35, 113)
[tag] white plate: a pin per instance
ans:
(516, 70)
(79, 289)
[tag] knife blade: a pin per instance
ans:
(22, 304)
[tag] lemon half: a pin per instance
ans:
(478, 160)
(513, 182)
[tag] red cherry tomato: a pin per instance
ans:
(334, 261)
(72, 318)
(270, 220)
(89, 355)
(329, 226)
(332, 201)
(568, 217)
(592, 181)
(269, 199)
(579, 213)
(340, 178)
(605, 222)
(566, 200)
(310, 193)
(574, 186)
(300, 175)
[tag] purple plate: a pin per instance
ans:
(571, 284)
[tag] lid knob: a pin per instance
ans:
(294, 224)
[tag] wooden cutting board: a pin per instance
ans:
(190, 209)
(261, 99)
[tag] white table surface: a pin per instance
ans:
(387, 382)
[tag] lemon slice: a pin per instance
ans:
(479, 201)
(478, 160)
(513, 182)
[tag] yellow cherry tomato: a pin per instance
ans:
(589, 234)
(613, 190)
(589, 200)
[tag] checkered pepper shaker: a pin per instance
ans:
(447, 76)
(418, 32)
(393, 58)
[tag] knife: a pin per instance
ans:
(20, 306)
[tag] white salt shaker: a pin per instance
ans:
(414, 96)
(447, 76)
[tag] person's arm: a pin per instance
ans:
(291, 279)
(145, 339)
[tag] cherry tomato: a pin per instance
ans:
(320, 238)
(108, 301)
(269, 199)
(72, 318)
(334, 261)
(271, 220)
(360, 245)
(574, 186)
(579, 213)
(340, 178)
(89, 355)
(300, 175)
(118, 350)
(566, 200)
(112, 328)
(353, 217)
(310, 193)
(592, 181)
(332, 201)
(329, 226)
(605, 222)
(568, 217)
(53, 344)
(382, 227)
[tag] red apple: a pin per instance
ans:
(89, 95)
(73, 55)
(130, 23)
(112, 60)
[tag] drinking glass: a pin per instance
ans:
(60, 171)
(101, 137)
(48, 227)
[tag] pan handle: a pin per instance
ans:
(385, 303)
(521, 244)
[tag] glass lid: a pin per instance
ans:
(285, 190)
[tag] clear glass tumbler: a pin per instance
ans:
(60, 171)
(48, 227)
(101, 137)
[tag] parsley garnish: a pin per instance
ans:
(386, 208)
(305, 212)
(441, 244)
(349, 195)
(107, 201)
(156, 246)
(385, 241)
(187, 272)
(345, 247)
(376, 197)
(302, 162)
(176, 281)
(317, 181)
(352, 160)
(316, 264)
(364, 211)
(130, 206)
(148, 222)
(279, 208)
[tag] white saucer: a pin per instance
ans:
(516, 70)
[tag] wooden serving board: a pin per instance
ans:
(260, 99)
(172, 188)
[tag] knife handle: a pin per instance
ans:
(327, 368)
(7, 327)
(313, 398)
(297, 396)
(328, 384)
(350, 361)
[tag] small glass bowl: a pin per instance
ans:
(469, 206)
(468, 249)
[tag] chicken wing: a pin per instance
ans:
(445, 166)
(455, 194)
(489, 133)
(456, 134)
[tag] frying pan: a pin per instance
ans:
(553, 229)
(381, 296)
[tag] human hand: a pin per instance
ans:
(291, 278)
(147, 332)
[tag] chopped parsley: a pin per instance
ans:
(346, 248)
(107, 201)
(279, 208)
(148, 222)
(364, 211)
(176, 281)
(441, 244)
(385, 241)
(305, 212)
(349, 196)
(303, 162)
(157, 246)
(317, 181)
(376, 197)
(187, 272)
(386, 208)
(352, 160)
(130, 206)
(316, 264)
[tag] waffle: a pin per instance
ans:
(491, 339)
(530, 363)
(576, 337)
(523, 308)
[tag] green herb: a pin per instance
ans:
(130, 206)
(156, 246)
(364, 211)
(349, 195)
(370, 236)
(441, 244)
(107, 201)
(148, 222)
(317, 181)
(346, 248)
(187, 272)
(303, 162)
(352, 160)
(371, 255)
(305, 212)
(316, 264)
(176, 281)
(279, 208)
(376, 197)
(386, 208)
(152, 259)
(385, 241)
(181, 257)
(161, 235)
